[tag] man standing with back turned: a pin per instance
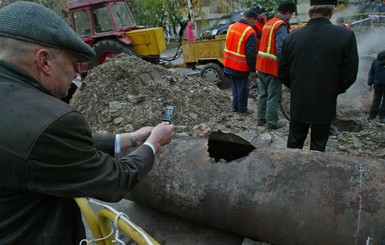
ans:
(239, 58)
(270, 88)
(318, 62)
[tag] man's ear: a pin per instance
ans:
(43, 60)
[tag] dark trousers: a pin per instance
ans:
(378, 104)
(240, 91)
(318, 137)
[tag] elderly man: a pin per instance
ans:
(47, 153)
(318, 62)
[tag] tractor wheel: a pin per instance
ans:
(213, 73)
(109, 48)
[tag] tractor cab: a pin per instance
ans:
(99, 18)
(110, 29)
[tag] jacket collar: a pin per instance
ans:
(282, 18)
(319, 20)
(10, 70)
(248, 23)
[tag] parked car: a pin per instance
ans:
(221, 25)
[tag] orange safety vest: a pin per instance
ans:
(267, 60)
(234, 55)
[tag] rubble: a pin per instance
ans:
(127, 93)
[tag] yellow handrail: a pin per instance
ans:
(100, 225)
(91, 219)
(128, 227)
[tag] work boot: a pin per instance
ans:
(247, 112)
(276, 126)
(261, 122)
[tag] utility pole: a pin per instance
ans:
(190, 10)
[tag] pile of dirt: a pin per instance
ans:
(127, 93)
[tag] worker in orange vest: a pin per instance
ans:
(239, 58)
(274, 33)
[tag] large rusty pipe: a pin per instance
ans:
(280, 196)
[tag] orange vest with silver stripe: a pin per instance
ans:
(234, 55)
(267, 60)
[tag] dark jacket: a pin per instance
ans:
(376, 75)
(251, 55)
(47, 158)
(318, 62)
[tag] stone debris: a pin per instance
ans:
(127, 93)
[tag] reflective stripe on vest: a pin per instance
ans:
(234, 56)
(267, 60)
(268, 54)
(238, 52)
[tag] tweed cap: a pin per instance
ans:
(32, 22)
(323, 2)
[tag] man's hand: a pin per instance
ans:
(162, 134)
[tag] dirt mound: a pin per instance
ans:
(127, 93)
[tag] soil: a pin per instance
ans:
(127, 93)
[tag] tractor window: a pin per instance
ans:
(122, 16)
(82, 23)
(102, 22)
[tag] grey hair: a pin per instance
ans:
(10, 47)
(18, 51)
(321, 10)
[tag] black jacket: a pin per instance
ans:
(376, 75)
(318, 62)
(47, 158)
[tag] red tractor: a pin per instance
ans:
(109, 27)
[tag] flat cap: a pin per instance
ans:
(32, 22)
(323, 2)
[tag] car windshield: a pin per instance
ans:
(223, 20)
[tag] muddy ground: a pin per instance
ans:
(127, 93)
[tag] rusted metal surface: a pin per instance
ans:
(280, 196)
